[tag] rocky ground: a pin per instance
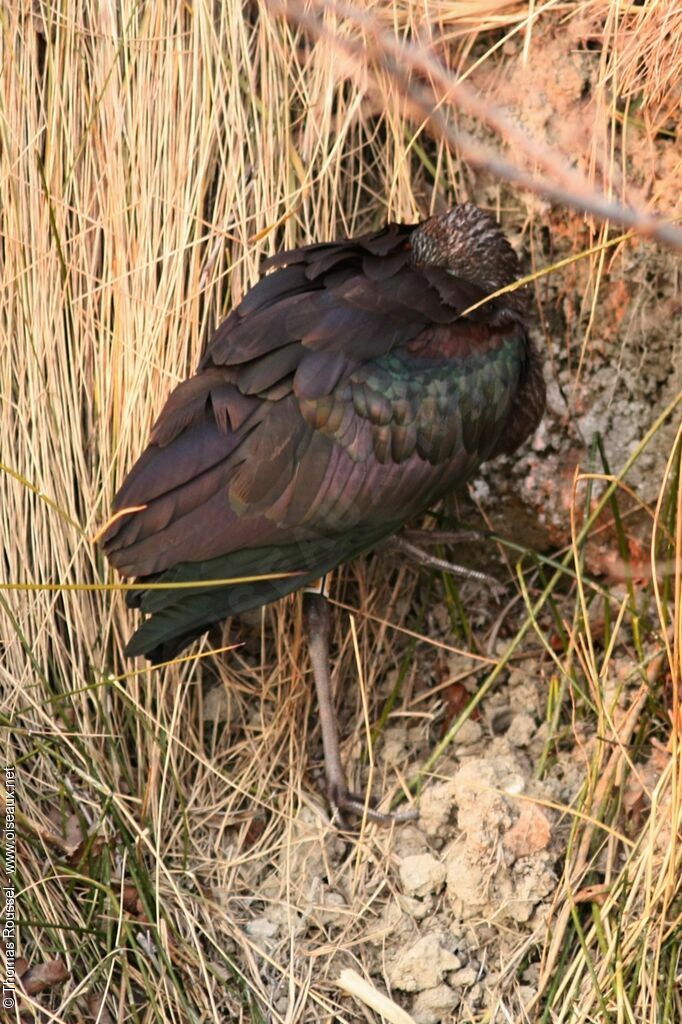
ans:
(451, 919)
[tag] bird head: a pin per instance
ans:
(469, 244)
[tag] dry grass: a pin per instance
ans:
(150, 156)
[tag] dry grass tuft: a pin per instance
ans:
(174, 861)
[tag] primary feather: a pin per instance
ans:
(342, 397)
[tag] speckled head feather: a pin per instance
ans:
(470, 244)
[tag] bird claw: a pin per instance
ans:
(440, 564)
(430, 538)
(498, 591)
(343, 802)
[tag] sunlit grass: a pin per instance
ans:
(150, 157)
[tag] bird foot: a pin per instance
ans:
(429, 538)
(344, 803)
(442, 565)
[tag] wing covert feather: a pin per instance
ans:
(338, 400)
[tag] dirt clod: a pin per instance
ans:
(421, 874)
(422, 965)
(434, 1004)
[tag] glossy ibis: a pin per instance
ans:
(343, 396)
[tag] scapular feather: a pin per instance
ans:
(343, 396)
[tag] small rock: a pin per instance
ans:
(470, 732)
(262, 929)
(409, 840)
(483, 813)
(417, 909)
(464, 977)
(396, 923)
(423, 965)
(526, 994)
(434, 1004)
(467, 882)
(286, 917)
(521, 730)
(524, 692)
(421, 874)
(533, 880)
(327, 907)
(309, 850)
(540, 739)
(395, 744)
(437, 808)
(531, 832)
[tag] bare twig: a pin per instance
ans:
(427, 101)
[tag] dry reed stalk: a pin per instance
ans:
(150, 155)
(436, 89)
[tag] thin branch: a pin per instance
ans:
(426, 102)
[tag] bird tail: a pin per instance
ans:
(180, 614)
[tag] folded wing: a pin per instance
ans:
(281, 455)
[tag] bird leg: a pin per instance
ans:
(317, 622)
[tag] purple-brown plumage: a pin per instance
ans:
(350, 389)
(342, 397)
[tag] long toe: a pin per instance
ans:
(344, 804)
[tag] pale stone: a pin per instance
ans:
(262, 929)
(470, 732)
(521, 730)
(436, 808)
(421, 874)
(434, 1004)
(422, 965)
(464, 978)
